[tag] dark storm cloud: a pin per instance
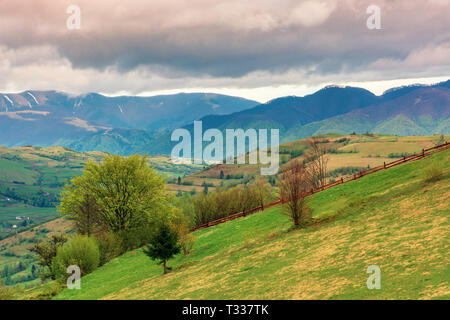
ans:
(210, 40)
(228, 38)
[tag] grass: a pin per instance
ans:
(390, 219)
(31, 179)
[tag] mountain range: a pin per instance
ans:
(128, 125)
(410, 110)
(54, 118)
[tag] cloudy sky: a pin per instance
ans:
(257, 49)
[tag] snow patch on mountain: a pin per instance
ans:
(31, 95)
(7, 98)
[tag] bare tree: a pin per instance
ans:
(261, 191)
(294, 185)
(317, 160)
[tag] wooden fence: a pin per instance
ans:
(417, 156)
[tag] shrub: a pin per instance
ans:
(6, 293)
(80, 251)
(433, 173)
(46, 250)
(186, 238)
(110, 246)
(136, 237)
(49, 291)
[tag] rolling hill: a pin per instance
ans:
(392, 219)
(31, 180)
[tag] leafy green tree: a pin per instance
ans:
(163, 245)
(81, 251)
(46, 250)
(128, 194)
(82, 208)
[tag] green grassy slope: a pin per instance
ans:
(31, 180)
(392, 219)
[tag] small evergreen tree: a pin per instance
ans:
(163, 245)
(205, 188)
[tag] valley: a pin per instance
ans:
(32, 178)
(392, 219)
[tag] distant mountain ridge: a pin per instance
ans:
(286, 112)
(96, 122)
(409, 110)
(47, 117)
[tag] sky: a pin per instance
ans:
(255, 49)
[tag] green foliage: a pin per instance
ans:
(345, 171)
(6, 293)
(110, 246)
(398, 155)
(275, 258)
(163, 245)
(50, 290)
(129, 197)
(186, 238)
(47, 250)
(219, 204)
(81, 251)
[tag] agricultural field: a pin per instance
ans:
(14, 250)
(31, 180)
(394, 219)
(348, 154)
(31, 177)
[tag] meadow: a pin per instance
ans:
(393, 219)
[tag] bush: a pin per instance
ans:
(46, 250)
(136, 237)
(6, 293)
(110, 246)
(49, 291)
(433, 173)
(80, 251)
(185, 238)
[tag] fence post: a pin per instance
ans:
(423, 152)
(342, 180)
(385, 164)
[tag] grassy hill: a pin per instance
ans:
(349, 154)
(393, 219)
(31, 180)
